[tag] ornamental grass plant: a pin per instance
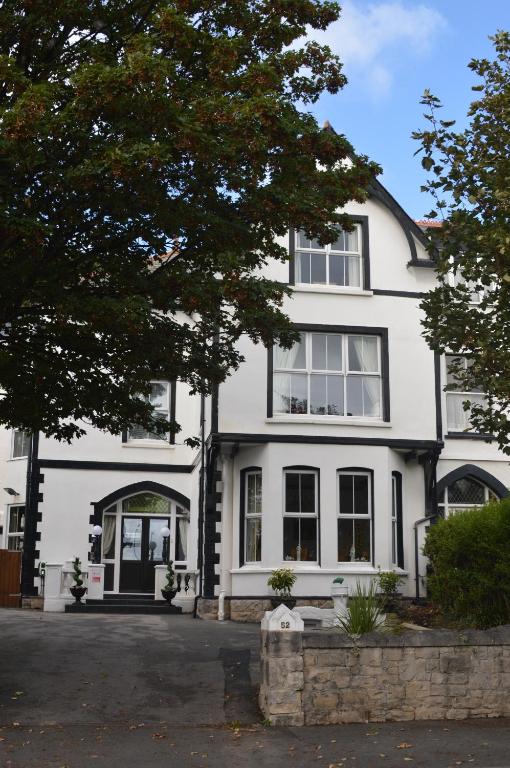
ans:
(364, 611)
(469, 555)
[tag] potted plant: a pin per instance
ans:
(388, 583)
(169, 591)
(281, 581)
(77, 590)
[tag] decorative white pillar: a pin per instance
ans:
(227, 502)
(340, 595)
(52, 588)
(95, 588)
(159, 581)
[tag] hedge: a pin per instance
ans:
(470, 565)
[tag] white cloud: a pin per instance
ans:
(367, 39)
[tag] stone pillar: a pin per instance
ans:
(282, 675)
(159, 581)
(52, 588)
(340, 594)
(95, 587)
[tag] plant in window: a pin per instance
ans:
(281, 581)
(364, 612)
(77, 590)
(169, 591)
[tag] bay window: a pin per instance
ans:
(300, 515)
(354, 517)
(253, 517)
(329, 374)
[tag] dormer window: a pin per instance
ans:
(340, 263)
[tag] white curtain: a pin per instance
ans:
(182, 524)
(353, 271)
(295, 357)
(109, 536)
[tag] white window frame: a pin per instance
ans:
(344, 372)
(25, 443)
(18, 535)
(165, 412)
(300, 515)
(327, 251)
(394, 522)
(452, 508)
(250, 515)
(354, 515)
(460, 394)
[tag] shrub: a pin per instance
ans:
(470, 565)
(282, 580)
(388, 582)
(364, 613)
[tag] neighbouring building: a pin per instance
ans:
(329, 457)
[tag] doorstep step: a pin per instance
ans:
(123, 608)
(123, 596)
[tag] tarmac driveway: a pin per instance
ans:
(75, 669)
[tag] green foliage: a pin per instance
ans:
(152, 152)
(468, 552)
(388, 582)
(469, 172)
(77, 572)
(282, 580)
(364, 612)
(170, 577)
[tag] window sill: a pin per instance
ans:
(335, 289)
(322, 420)
(149, 444)
(18, 458)
(469, 436)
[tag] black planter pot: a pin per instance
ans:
(168, 594)
(290, 602)
(77, 593)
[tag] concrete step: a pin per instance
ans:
(100, 606)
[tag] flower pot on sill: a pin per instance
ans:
(168, 595)
(290, 602)
(77, 593)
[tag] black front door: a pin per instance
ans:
(141, 550)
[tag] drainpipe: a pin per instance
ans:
(201, 498)
(419, 522)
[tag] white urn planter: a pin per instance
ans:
(340, 595)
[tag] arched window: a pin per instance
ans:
(465, 493)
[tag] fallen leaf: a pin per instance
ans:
(404, 745)
(158, 736)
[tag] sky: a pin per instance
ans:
(392, 50)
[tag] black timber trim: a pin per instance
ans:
(438, 395)
(344, 329)
(257, 438)
(131, 490)
(127, 466)
(365, 251)
(400, 527)
(470, 436)
(477, 473)
(173, 396)
(242, 508)
(424, 263)
(409, 226)
(398, 294)
(370, 472)
(316, 470)
(32, 517)
(210, 519)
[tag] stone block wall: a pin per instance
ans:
(250, 609)
(323, 677)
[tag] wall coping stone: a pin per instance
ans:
(333, 638)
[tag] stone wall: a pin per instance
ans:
(250, 609)
(323, 677)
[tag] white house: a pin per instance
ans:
(328, 458)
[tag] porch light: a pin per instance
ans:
(97, 532)
(165, 532)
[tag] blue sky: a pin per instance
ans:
(392, 50)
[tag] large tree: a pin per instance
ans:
(150, 153)
(470, 181)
